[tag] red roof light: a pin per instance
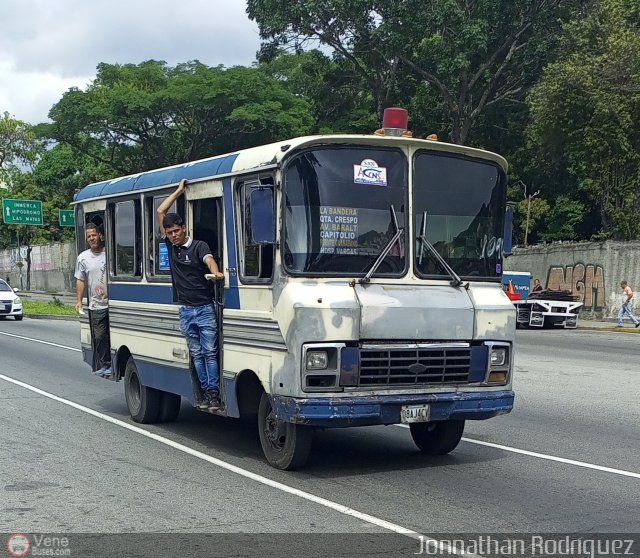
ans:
(395, 117)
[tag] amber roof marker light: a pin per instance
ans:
(394, 123)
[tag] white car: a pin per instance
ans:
(10, 303)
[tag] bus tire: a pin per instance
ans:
(437, 437)
(143, 402)
(169, 406)
(286, 446)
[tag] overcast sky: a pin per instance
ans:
(47, 46)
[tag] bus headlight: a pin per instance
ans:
(316, 360)
(498, 356)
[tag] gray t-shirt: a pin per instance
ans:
(92, 269)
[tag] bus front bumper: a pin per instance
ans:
(386, 409)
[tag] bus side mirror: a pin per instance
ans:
(263, 219)
(507, 235)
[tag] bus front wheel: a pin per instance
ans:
(285, 445)
(143, 402)
(438, 437)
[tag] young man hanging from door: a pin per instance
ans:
(190, 260)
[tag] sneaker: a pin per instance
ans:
(101, 371)
(215, 403)
(213, 399)
(106, 372)
(203, 405)
(638, 324)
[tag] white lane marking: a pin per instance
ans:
(39, 341)
(549, 457)
(253, 476)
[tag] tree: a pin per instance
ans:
(586, 116)
(452, 58)
(133, 118)
(339, 102)
(19, 147)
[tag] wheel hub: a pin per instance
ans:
(274, 430)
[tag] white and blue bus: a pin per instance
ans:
(362, 287)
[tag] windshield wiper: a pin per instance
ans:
(455, 279)
(386, 249)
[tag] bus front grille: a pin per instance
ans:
(419, 366)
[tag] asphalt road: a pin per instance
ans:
(567, 459)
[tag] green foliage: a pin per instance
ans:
(138, 117)
(38, 308)
(537, 210)
(19, 147)
(585, 116)
(449, 60)
(563, 220)
(333, 90)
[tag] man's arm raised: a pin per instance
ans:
(163, 208)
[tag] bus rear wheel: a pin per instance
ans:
(143, 402)
(169, 407)
(285, 445)
(438, 437)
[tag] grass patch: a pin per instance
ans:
(39, 308)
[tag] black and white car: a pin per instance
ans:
(10, 303)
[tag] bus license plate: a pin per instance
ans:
(415, 413)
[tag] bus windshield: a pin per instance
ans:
(343, 205)
(459, 206)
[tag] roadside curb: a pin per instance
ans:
(611, 329)
(49, 317)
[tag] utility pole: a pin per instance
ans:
(528, 198)
(19, 259)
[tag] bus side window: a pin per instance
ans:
(127, 239)
(158, 256)
(257, 259)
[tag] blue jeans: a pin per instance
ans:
(626, 309)
(198, 325)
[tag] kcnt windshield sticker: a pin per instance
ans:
(368, 172)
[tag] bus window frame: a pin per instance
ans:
(148, 220)
(110, 239)
(240, 183)
(502, 178)
(280, 213)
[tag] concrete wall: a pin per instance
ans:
(593, 270)
(52, 267)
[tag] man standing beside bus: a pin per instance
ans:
(190, 260)
(91, 274)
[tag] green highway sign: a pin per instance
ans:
(67, 218)
(22, 212)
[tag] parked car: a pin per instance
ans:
(10, 303)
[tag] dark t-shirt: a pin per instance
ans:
(188, 270)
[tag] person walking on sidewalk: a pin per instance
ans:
(626, 307)
(91, 274)
(190, 260)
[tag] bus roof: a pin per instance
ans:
(253, 159)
